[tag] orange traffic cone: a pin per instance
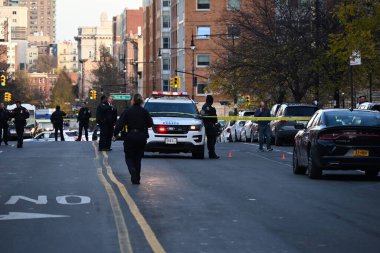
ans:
(283, 156)
(230, 154)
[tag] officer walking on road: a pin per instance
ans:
(83, 119)
(263, 125)
(101, 120)
(210, 122)
(111, 119)
(4, 117)
(57, 120)
(137, 120)
(20, 114)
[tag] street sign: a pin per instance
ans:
(355, 58)
(121, 96)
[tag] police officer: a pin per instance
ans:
(20, 114)
(137, 120)
(57, 120)
(101, 119)
(83, 119)
(210, 124)
(264, 127)
(4, 117)
(111, 118)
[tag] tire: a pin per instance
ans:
(297, 169)
(199, 152)
(248, 139)
(371, 174)
(230, 138)
(277, 140)
(312, 170)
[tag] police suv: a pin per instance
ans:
(177, 126)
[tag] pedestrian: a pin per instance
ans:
(20, 114)
(263, 125)
(210, 120)
(111, 118)
(83, 119)
(137, 120)
(4, 117)
(57, 121)
(101, 120)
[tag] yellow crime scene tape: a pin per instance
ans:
(233, 118)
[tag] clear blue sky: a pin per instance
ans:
(74, 13)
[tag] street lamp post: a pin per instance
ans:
(192, 46)
(83, 61)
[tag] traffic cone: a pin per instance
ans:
(230, 154)
(283, 156)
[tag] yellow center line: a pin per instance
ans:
(95, 150)
(121, 227)
(147, 230)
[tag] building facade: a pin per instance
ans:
(41, 85)
(67, 56)
(181, 37)
(17, 19)
(90, 40)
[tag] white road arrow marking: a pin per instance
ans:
(27, 216)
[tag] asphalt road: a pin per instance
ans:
(68, 197)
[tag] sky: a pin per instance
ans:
(74, 13)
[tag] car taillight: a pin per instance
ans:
(283, 121)
(162, 129)
(330, 136)
(228, 130)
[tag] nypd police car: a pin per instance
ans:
(177, 126)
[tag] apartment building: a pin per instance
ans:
(182, 35)
(41, 16)
(42, 84)
(90, 39)
(67, 56)
(16, 18)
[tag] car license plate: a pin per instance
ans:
(361, 152)
(171, 141)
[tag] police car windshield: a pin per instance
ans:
(183, 110)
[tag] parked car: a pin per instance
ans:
(248, 132)
(225, 136)
(236, 130)
(246, 113)
(49, 136)
(338, 139)
(274, 109)
(370, 106)
(285, 130)
(29, 131)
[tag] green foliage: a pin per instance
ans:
(63, 92)
(44, 64)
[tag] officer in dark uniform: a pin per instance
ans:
(101, 119)
(210, 124)
(111, 119)
(137, 120)
(83, 119)
(57, 120)
(4, 117)
(20, 114)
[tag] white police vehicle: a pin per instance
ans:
(177, 126)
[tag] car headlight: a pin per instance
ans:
(196, 128)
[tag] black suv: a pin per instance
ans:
(286, 130)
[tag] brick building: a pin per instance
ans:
(42, 84)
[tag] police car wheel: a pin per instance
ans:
(199, 152)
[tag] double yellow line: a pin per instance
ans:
(122, 230)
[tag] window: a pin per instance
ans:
(166, 21)
(203, 4)
(166, 85)
(202, 89)
(233, 5)
(14, 20)
(203, 60)
(203, 32)
(89, 54)
(165, 64)
(233, 31)
(14, 12)
(166, 3)
(166, 42)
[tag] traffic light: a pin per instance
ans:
(7, 96)
(248, 99)
(94, 94)
(3, 80)
(177, 82)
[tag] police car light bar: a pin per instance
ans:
(165, 93)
